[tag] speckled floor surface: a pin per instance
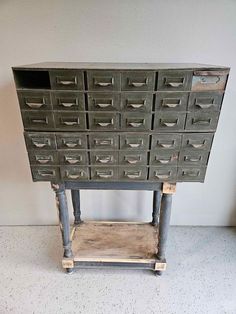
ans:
(201, 276)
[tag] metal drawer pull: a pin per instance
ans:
(46, 173)
(133, 159)
(71, 144)
(175, 84)
(163, 161)
(102, 82)
(103, 124)
(134, 145)
(186, 158)
(35, 105)
(201, 122)
(169, 105)
(73, 176)
(104, 159)
(133, 175)
(43, 160)
(136, 106)
(138, 84)
(104, 105)
(67, 104)
(44, 121)
(190, 174)
(197, 145)
(136, 124)
(71, 122)
(204, 106)
(162, 176)
(40, 144)
(170, 124)
(66, 82)
(104, 175)
(72, 160)
(165, 145)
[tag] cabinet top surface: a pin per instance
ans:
(118, 66)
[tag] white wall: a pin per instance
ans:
(126, 31)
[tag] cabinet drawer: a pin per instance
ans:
(70, 173)
(103, 101)
(66, 79)
(132, 158)
(209, 80)
(137, 102)
(164, 158)
(133, 141)
(104, 173)
(35, 120)
(103, 157)
(174, 80)
(191, 174)
(70, 121)
(68, 101)
(205, 101)
(165, 121)
(73, 157)
(45, 173)
(132, 173)
(40, 141)
(166, 142)
(171, 101)
(197, 142)
(193, 158)
(138, 80)
(71, 141)
(104, 121)
(202, 121)
(34, 100)
(43, 157)
(136, 121)
(103, 80)
(163, 174)
(103, 141)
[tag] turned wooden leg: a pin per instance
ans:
(156, 207)
(62, 207)
(75, 195)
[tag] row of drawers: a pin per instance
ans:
(121, 173)
(126, 121)
(139, 101)
(132, 158)
(114, 141)
(106, 80)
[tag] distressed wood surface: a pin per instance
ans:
(107, 241)
(169, 188)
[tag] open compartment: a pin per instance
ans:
(32, 79)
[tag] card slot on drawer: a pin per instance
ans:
(163, 174)
(103, 121)
(103, 173)
(171, 101)
(103, 101)
(66, 79)
(196, 142)
(209, 80)
(71, 140)
(134, 141)
(202, 121)
(165, 142)
(70, 121)
(174, 80)
(132, 173)
(164, 158)
(135, 121)
(103, 157)
(74, 173)
(34, 100)
(38, 120)
(205, 101)
(73, 157)
(104, 140)
(103, 80)
(40, 141)
(43, 157)
(137, 101)
(196, 174)
(169, 121)
(68, 101)
(132, 158)
(43, 173)
(138, 80)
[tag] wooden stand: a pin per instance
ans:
(115, 244)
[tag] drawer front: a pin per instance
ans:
(136, 121)
(104, 173)
(134, 141)
(71, 141)
(191, 174)
(45, 173)
(68, 101)
(40, 141)
(43, 157)
(141, 102)
(163, 174)
(132, 158)
(104, 121)
(103, 158)
(195, 142)
(166, 142)
(202, 121)
(78, 173)
(193, 158)
(66, 79)
(132, 173)
(174, 80)
(73, 157)
(165, 122)
(103, 101)
(103, 80)
(70, 121)
(209, 80)
(171, 101)
(164, 158)
(34, 100)
(205, 101)
(138, 80)
(35, 120)
(103, 141)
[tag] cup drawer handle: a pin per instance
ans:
(170, 124)
(136, 106)
(35, 105)
(74, 176)
(196, 145)
(104, 124)
(133, 160)
(70, 123)
(136, 124)
(133, 175)
(41, 160)
(66, 82)
(190, 174)
(162, 176)
(192, 159)
(70, 145)
(201, 122)
(175, 84)
(101, 82)
(104, 159)
(104, 105)
(39, 144)
(40, 121)
(165, 145)
(46, 173)
(163, 161)
(169, 105)
(67, 104)
(134, 145)
(138, 84)
(204, 106)
(72, 160)
(104, 175)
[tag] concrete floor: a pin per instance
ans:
(201, 276)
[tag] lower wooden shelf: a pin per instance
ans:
(115, 244)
